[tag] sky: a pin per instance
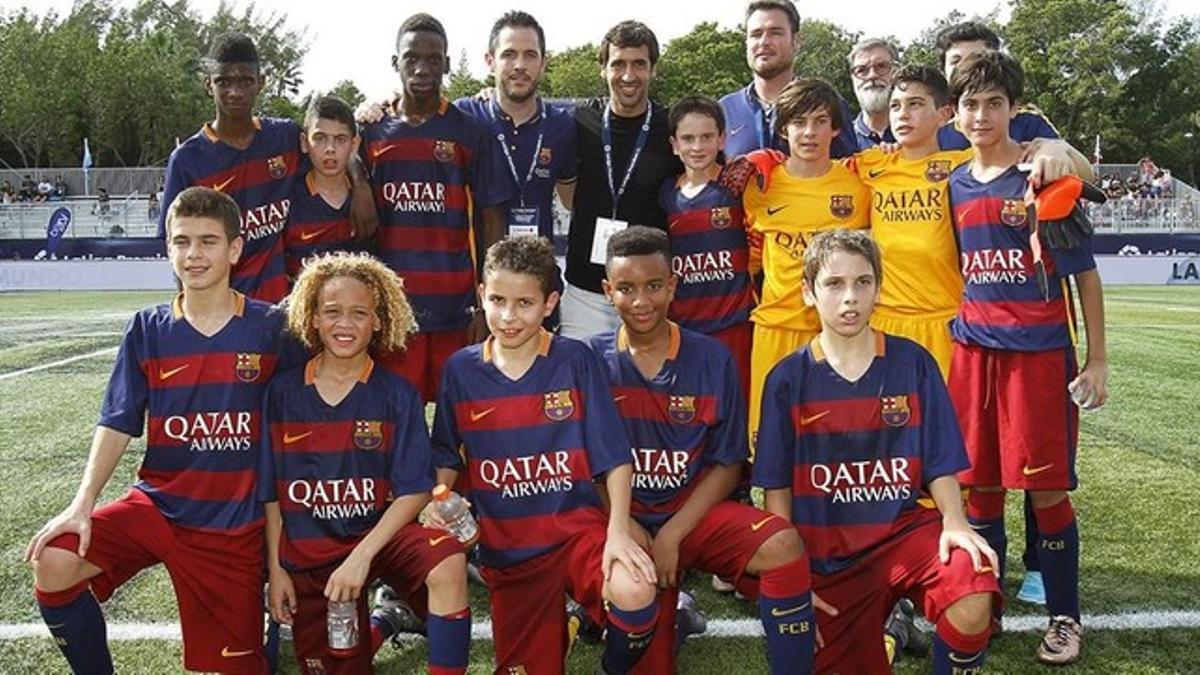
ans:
(353, 39)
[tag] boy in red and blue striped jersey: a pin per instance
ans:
(685, 414)
(529, 420)
(253, 159)
(347, 467)
(856, 426)
(197, 368)
(319, 217)
(430, 165)
(1014, 357)
(709, 253)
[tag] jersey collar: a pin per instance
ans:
(672, 349)
(311, 183)
(239, 305)
(211, 134)
(310, 370)
(544, 339)
(818, 354)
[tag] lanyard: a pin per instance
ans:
(606, 138)
(537, 150)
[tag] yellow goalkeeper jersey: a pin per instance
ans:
(782, 220)
(910, 220)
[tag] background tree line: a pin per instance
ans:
(128, 78)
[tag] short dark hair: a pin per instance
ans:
(639, 240)
(421, 23)
(967, 31)
(931, 77)
(988, 70)
(824, 244)
(230, 48)
(785, 6)
(700, 105)
(803, 96)
(516, 19)
(203, 202)
(330, 108)
(524, 255)
(629, 34)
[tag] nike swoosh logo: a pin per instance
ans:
(734, 131)
(755, 527)
(288, 438)
(53, 626)
(959, 660)
(639, 636)
(383, 151)
(435, 541)
(775, 611)
(229, 653)
(777, 209)
(978, 527)
(618, 399)
(168, 374)
(309, 236)
(1036, 470)
(985, 569)
(875, 173)
(476, 416)
(805, 421)
(220, 187)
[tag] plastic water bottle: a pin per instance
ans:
(455, 513)
(341, 623)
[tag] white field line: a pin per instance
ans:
(55, 364)
(106, 334)
(717, 628)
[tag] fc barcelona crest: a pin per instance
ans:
(368, 434)
(443, 151)
(681, 409)
(720, 217)
(558, 405)
(937, 170)
(841, 206)
(247, 367)
(545, 156)
(894, 410)
(276, 167)
(1012, 213)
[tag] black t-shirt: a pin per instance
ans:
(638, 205)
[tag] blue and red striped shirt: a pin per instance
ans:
(710, 256)
(203, 396)
(426, 180)
(1003, 306)
(856, 455)
(259, 179)
(530, 447)
(315, 226)
(333, 469)
(686, 419)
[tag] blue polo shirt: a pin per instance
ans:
(748, 126)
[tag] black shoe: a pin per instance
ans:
(689, 620)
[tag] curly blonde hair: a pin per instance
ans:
(387, 290)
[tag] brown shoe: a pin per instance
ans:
(1062, 642)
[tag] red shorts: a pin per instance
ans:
(421, 361)
(1018, 420)
(529, 617)
(218, 579)
(722, 543)
(739, 338)
(864, 593)
(402, 564)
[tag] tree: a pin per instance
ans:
(574, 73)
(462, 83)
(708, 61)
(348, 92)
(824, 53)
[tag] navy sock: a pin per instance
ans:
(628, 636)
(985, 513)
(449, 642)
(955, 653)
(1058, 552)
(77, 624)
(788, 617)
(1030, 557)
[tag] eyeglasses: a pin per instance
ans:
(864, 70)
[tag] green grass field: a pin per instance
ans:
(1139, 463)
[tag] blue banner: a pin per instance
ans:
(60, 220)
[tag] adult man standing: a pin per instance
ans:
(872, 62)
(624, 157)
(772, 39)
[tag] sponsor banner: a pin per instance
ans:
(86, 275)
(60, 220)
(1155, 270)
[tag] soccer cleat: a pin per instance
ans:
(580, 625)
(1062, 642)
(720, 585)
(689, 620)
(901, 633)
(1032, 588)
(397, 614)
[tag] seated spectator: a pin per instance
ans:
(27, 189)
(44, 189)
(152, 207)
(60, 188)
(7, 193)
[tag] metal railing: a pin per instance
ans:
(121, 217)
(1161, 215)
(129, 181)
